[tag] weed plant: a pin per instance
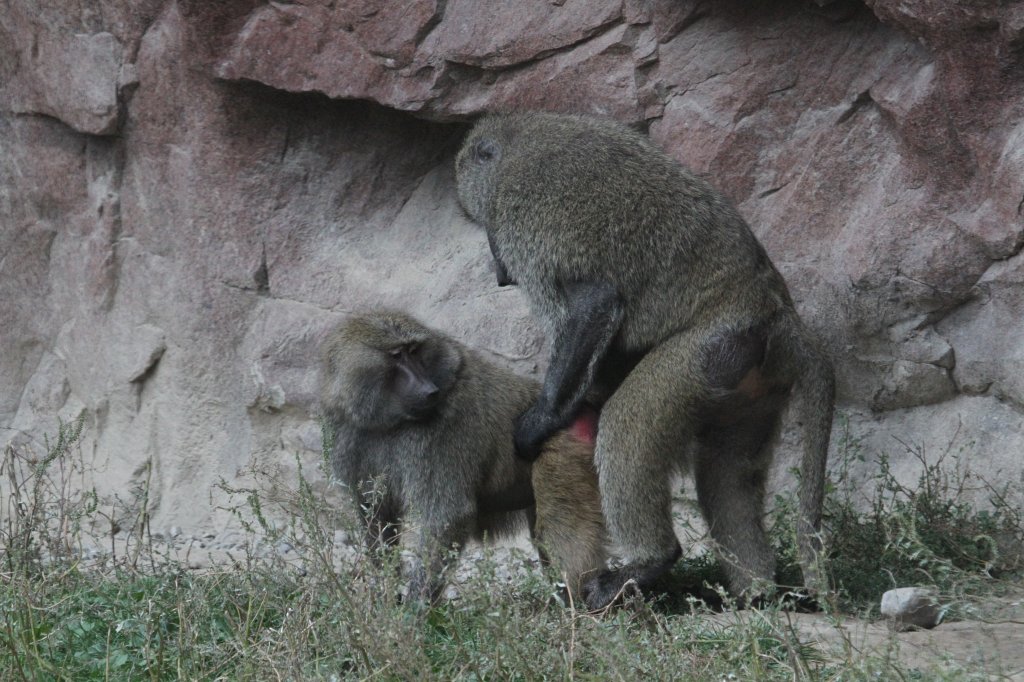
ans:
(882, 534)
(325, 611)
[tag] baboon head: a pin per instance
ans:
(384, 368)
(476, 169)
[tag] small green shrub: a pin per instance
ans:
(926, 534)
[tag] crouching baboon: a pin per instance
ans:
(422, 428)
(663, 308)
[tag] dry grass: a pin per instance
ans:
(134, 612)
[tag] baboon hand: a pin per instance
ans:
(533, 428)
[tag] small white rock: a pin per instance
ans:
(911, 607)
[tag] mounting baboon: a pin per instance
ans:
(423, 427)
(663, 309)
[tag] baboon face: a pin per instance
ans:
(383, 370)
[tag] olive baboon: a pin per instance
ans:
(664, 310)
(423, 427)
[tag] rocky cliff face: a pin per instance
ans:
(191, 192)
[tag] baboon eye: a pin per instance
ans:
(395, 352)
(485, 150)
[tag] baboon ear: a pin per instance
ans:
(485, 149)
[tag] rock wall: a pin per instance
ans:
(191, 192)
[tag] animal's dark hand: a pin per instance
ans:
(533, 427)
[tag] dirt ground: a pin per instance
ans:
(994, 647)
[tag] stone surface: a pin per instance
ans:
(442, 59)
(192, 192)
(908, 608)
(68, 62)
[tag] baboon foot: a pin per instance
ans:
(606, 587)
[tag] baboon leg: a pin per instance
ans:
(642, 435)
(730, 469)
(542, 555)
(570, 532)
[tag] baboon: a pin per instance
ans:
(663, 309)
(422, 427)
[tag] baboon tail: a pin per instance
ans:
(812, 407)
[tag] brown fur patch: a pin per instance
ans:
(753, 384)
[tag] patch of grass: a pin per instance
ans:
(127, 625)
(884, 534)
(328, 612)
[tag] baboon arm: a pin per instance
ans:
(583, 335)
(499, 265)
(437, 539)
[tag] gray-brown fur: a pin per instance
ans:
(570, 530)
(661, 304)
(445, 458)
